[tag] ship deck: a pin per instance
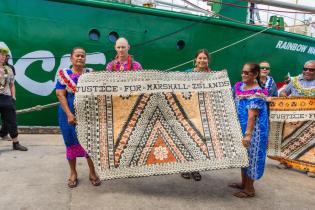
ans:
(36, 179)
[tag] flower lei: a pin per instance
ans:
(302, 91)
(249, 93)
(129, 64)
(269, 82)
(65, 79)
(4, 79)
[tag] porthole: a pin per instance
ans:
(113, 36)
(94, 35)
(181, 44)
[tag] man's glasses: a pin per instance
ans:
(309, 69)
(264, 67)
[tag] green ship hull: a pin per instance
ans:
(40, 34)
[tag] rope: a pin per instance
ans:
(225, 47)
(213, 13)
(37, 108)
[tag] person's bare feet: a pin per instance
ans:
(73, 180)
(244, 194)
(95, 180)
(237, 186)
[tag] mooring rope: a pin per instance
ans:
(37, 108)
(223, 48)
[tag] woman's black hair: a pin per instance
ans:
(76, 48)
(255, 69)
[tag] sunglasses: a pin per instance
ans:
(309, 69)
(264, 67)
(246, 72)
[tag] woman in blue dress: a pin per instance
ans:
(201, 64)
(250, 100)
(65, 90)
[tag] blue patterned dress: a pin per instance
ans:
(67, 80)
(253, 99)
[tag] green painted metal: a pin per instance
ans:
(236, 13)
(52, 28)
(176, 15)
(215, 6)
(276, 22)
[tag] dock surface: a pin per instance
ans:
(37, 179)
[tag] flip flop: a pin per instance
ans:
(196, 176)
(236, 186)
(185, 175)
(72, 183)
(244, 194)
(95, 182)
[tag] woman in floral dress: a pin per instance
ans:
(250, 101)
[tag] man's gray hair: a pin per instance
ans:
(308, 62)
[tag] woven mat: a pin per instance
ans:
(292, 130)
(152, 123)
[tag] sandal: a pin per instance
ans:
(236, 186)
(244, 194)
(72, 183)
(95, 182)
(196, 176)
(185, 175)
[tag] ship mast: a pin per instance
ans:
(284, 5)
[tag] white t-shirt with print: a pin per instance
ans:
(6, 78)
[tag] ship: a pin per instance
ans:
(41, 33)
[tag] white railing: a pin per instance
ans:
(301, 22)
(296, 21)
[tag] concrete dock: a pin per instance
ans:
(36, 179)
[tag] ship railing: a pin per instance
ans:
(299, 22)
(171, 5)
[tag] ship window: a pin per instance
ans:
(181, 44)
(113, 36)
(94, 35)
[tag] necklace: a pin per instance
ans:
(263, 93)
(302, 91)
(122, 66)
(70, 80)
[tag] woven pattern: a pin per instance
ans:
(292, 129)
(152, 123)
